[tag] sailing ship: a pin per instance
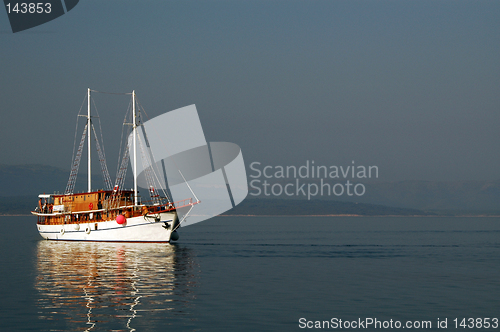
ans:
(112, 214)
(178, 168)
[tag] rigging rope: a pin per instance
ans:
(102, 161)
(146, 162)
(120, 151)
(120, 177)
(70, 187)
(165, 146)
(101, 152)
(76, 128)
(152, 165)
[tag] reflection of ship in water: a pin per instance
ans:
(119, 287)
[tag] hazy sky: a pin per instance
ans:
(410, 86)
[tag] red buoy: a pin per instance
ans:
(120, 219)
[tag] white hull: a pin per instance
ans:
(136, 229)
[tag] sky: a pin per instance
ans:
(412, 87)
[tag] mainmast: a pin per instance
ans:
(134, 132)
(89, 141)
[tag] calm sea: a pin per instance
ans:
(254, 274)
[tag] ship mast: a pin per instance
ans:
(89, 141)
(134, 132)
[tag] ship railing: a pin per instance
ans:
(170, 206)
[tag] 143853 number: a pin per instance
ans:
(31, 8)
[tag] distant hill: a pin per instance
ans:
(271, 206)
(24, 180)
(18, 204)
(22, 183)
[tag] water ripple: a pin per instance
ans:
(118, 287)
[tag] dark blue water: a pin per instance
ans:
(254, 274)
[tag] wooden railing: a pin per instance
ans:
(171, 206)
